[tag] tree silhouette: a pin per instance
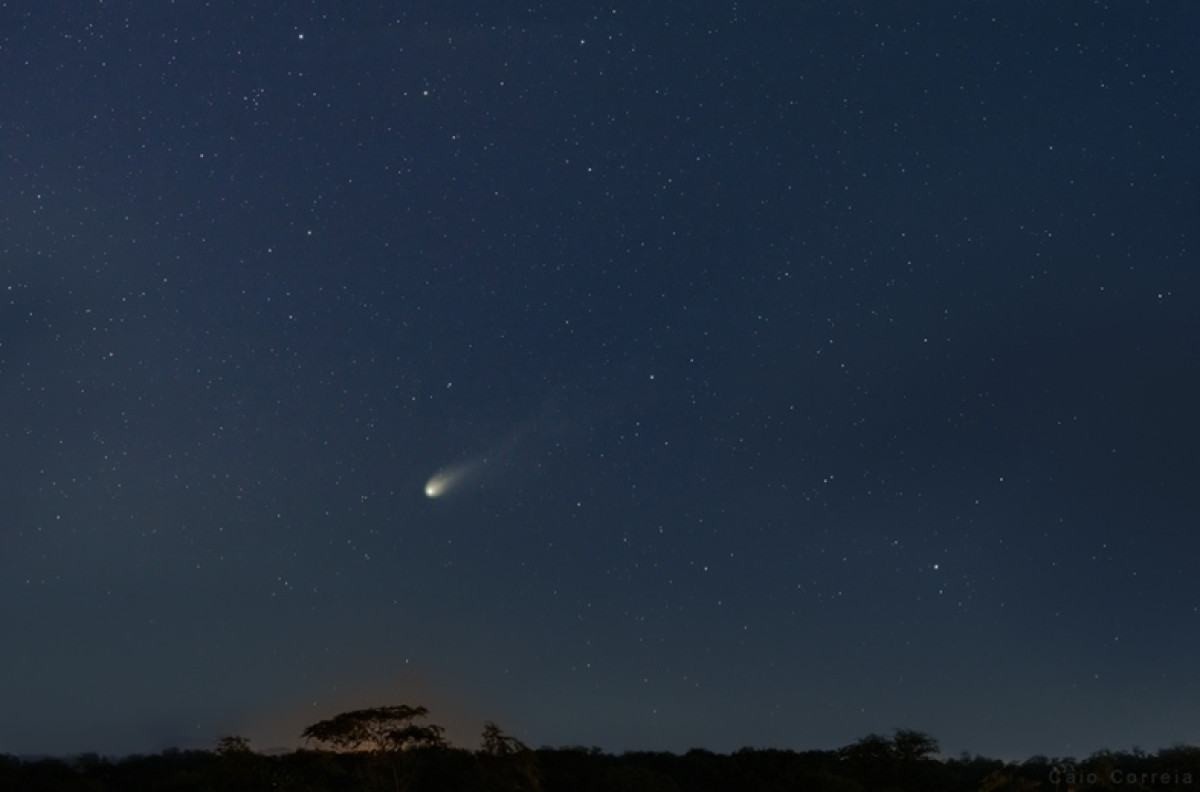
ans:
(510, 765)
(873, 749)
(385, 732)
(378, 729)
(497, 743)
(233, 745)
(873, 764)
(910, 745)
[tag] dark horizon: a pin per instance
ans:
(396, 747)
(471, 743)
(638, 375)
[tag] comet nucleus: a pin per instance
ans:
(445, 480)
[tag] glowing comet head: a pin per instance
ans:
(435, 486)
(444, 480)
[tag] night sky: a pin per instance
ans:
(784, 371)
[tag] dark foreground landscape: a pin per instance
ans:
(391, 749)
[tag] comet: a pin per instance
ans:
(472, 469)
(442, 482)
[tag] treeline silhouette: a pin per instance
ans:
(391, 749)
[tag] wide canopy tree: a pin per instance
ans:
(378, 729)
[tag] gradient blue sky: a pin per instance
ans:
(834, 365)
